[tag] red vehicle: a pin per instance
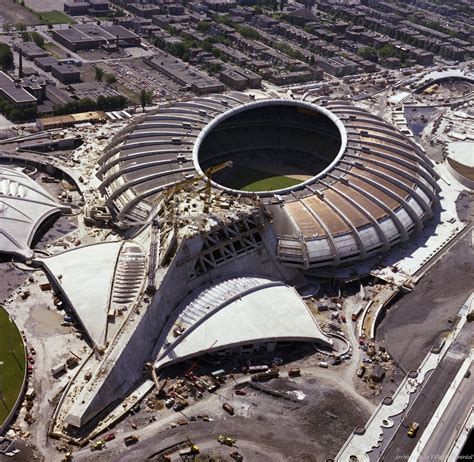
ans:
(240, 392)
(109, 437)
(343, 317)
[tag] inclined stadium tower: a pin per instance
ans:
(344, 184)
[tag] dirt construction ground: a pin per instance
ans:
(13, 13)
(309, 424)
(419, 319)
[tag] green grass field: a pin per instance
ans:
(54, 17)
(13, 368)
(248, 179)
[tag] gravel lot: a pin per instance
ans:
(419, 319)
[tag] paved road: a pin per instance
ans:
(449, 426)
(428, 400)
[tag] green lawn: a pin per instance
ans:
(248, 179)
(54, 17)
(12, 370)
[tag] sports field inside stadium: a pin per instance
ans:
(12, 364)
(250, 179)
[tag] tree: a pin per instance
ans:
(214, 68)
(20, 27)
(7, 27)
(110, 79)
(25, 36)
(37, 38)
(203, 26)
(99, 74)
(6, 56)
(146, 98)
(368, 53)
(388, 51)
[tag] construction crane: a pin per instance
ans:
(207, 174)
(193, 366)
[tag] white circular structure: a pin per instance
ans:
(374, 190)
(258, 106)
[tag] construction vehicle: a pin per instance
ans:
(294, 372)
(254, 369)
(180, 405)
(228, 408)
(129, 440)
(218, 374)
(357, 313)
(72, 361)
(210, 387)
(227, 440)
(361, 370)
(190, 450)
(413, 429)
(264, 376)
(98, 445)
(169, 402)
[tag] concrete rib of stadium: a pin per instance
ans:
(359, 187)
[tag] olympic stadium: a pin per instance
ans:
(340, 183)
(221, 204)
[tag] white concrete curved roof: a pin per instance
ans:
(118, 271)
(24, 206)
(239, 311)
(379, 189)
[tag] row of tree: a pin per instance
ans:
(101, 76)
(103, 103)
(33, 37)
(387, 51)
(14, 114)
(6, 56)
